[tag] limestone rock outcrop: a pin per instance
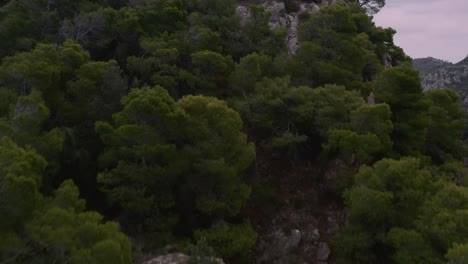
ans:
(280, 18)
(278, 245)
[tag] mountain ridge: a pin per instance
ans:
(437, 74)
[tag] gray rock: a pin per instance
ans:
(333, 225)
(312, 236)
(371, 99)
(281, 19)
(387, 60)
(308, 8)
(436, 74)
(243, 13)
(277, 246)
(323, 251)
(176, 258)
(294, 239)
(277, 9)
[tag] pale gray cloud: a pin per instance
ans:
(436, 28)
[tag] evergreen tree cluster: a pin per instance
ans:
(126, 126)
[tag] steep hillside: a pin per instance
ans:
(222, 131)
(428, 65)
(439, 74)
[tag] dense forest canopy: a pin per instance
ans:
(127, 126)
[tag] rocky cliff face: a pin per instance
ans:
(437, 74)
(281, 18)
(309, 239)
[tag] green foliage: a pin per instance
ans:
(201, 253)
(158, 67)
(411, 247)
(401, 89)
(443, 217)
(55, 94)
(250, 70)
(230, 241)
(332, 107)
(276, 109)
(20, 178)
(213, 9)
(366, 139)
(445, 131)
(18, 27)
(67, 233)
(26, 117)
(404, 180)
(24, 125)
(352, 147)
(256, 35)
(285, 118)
(94, 94)
(354, 246)
(161, 16)
(40, 229)
(374, 119)
(43, 69)
(387, 195)
(89, 29)
(335, 49)
(212, 70)
(173, 162)
(397, 213)
(220, 154)
(168, 159)
(139, 159)
(458, 254)
(35, 70)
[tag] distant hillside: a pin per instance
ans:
(429, 65)
(437, 74)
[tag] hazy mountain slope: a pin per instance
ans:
(429, 65)
(437, 74)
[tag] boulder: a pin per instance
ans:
(323, 251)
(243, 13)
(281, 19)
(312, 236)
(279, 245)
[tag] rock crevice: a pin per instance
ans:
(280, 18)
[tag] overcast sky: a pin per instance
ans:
(428, 28)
